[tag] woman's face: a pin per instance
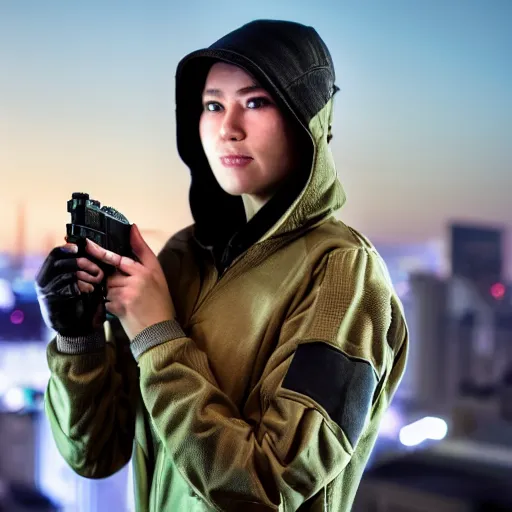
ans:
(249, 145)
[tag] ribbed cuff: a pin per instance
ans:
(155, 335)
(81, 344)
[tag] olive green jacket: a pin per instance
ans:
(266, 392)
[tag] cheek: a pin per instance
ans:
(268, 135)
(278, 138)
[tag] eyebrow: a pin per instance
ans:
(244, 90)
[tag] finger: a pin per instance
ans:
(113, 309)
(88, 278)
(128, 266)
(114, 295)
(50, 267)
(85, 287)
(139, 246)
(117, 280)
(113, 302)
(101, 254)
(123, 263)
(90, 267)
(65, 265)
(69, 247)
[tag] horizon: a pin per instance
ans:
(422, 119)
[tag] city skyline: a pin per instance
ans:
(422, 123)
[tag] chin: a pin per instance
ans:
(235, 192)
(238, 189)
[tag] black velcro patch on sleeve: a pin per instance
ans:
(343, 386)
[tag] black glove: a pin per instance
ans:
(63, 306)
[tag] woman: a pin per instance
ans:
(266, 340)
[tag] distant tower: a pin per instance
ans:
(19, 246)
(479, 307)
(427, 323)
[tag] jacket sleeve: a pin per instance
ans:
(317, 393)
(90, 400)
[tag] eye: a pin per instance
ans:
(258, 102)
(212, 106)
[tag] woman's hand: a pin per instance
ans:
(137, 293)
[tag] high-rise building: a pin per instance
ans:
(427, 365)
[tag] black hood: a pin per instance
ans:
(288, 59)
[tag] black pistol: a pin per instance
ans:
(104, 225)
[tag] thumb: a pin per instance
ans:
(139, 246)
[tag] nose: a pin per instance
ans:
(232, 126)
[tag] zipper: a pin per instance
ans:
(216, 280)
(211, 282)
(220, 275)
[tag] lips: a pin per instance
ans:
(235, 160)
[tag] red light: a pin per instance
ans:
(17, 317)
(498, 290)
